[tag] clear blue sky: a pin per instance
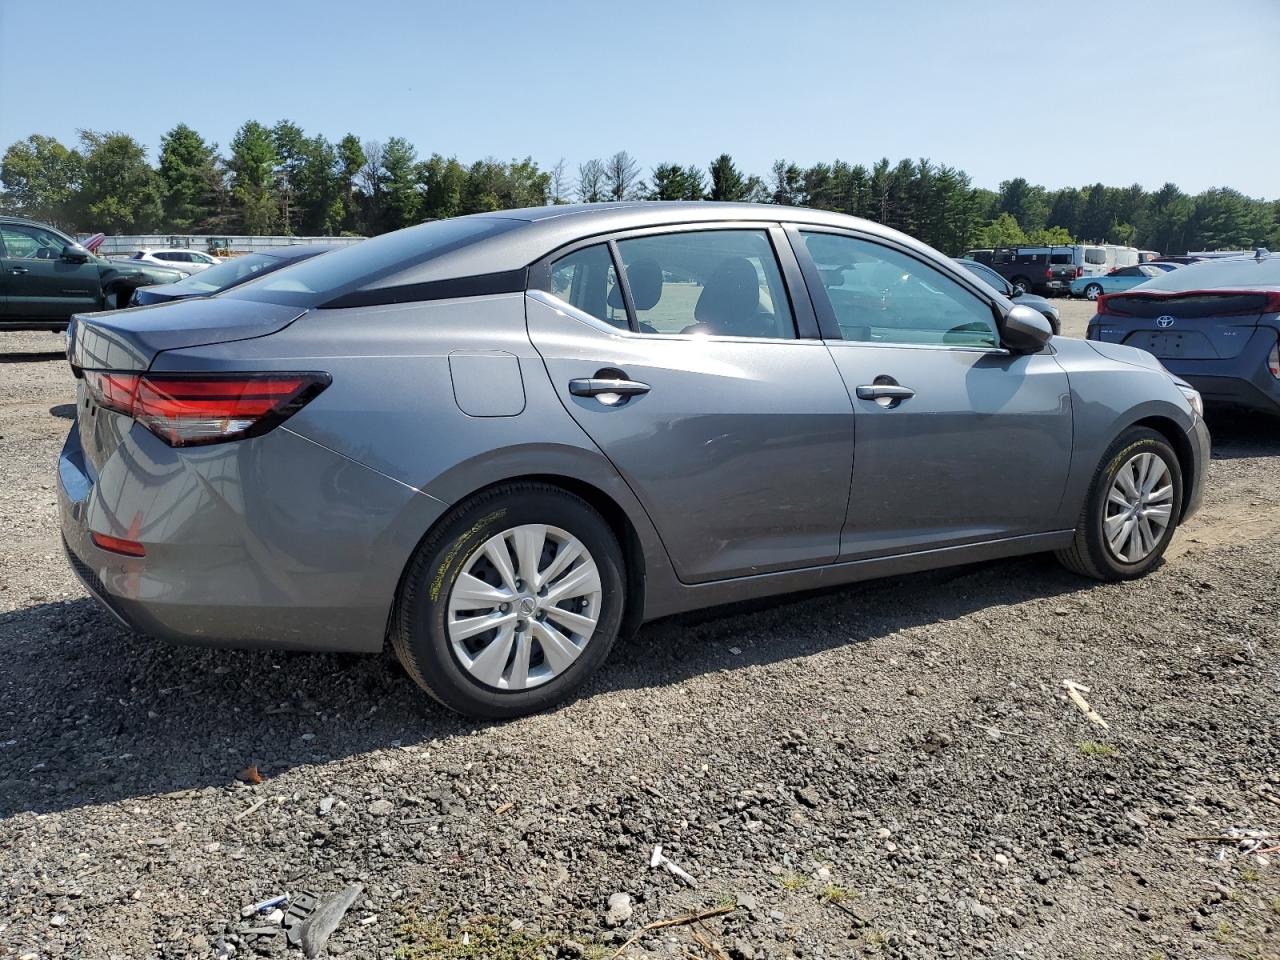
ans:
(1064, 94)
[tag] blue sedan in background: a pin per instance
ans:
(1123, 278)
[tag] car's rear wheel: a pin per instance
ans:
(1053, 323)
(1133, 508)
(511, 602)
(1093, 291)
(1022, 284)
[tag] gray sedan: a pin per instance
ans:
(502, 441)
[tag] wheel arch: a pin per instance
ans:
(620, 523)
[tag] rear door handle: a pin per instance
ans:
(21, 270)
(885, 391)
(595, 386)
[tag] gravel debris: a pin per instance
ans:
(891, 769)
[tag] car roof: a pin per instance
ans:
(543, 230)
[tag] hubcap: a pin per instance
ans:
(1139, 508)
(1092, 292)
(524, 607)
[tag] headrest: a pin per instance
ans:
(731, 295)
(645, 277)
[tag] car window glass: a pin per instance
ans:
(881, 295)
(30, 243)
(708, 283)
(586, 279)
(1096, 257)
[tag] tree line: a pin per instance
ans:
(279, 180)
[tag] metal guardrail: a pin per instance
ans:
(209, 243)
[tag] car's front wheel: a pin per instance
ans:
(1133, 508)
(1093, 291)
(511, 602)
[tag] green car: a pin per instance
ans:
(45, 277)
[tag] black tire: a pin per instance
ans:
(1096, 289)
(1089, 555)
(1053, 324)
(1023, 283)
(419, 633)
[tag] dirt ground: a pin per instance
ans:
(893, 769)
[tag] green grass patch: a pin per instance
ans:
(833, 893)
(794, 881)
(482, 938)
(1092, 748)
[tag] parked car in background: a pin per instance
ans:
(1164, 265)
(1123, 278)
(229, 273)
(1215, 324)
(1189, 258)
(503, 440)
(45, 277)
(1045, 269)
(186, 261)
(1001, 285)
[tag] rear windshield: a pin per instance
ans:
(1062, 258)
(1218, 274)
(224, 274)
(313, 282)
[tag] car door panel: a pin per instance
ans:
(956, 439)
(740, 450)
(979, 452)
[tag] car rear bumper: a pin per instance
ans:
(271, 542)
(1240, 381)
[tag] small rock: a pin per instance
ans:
(741, 950)
(1001, 859)
(275, 917)
(809, 797)
(777, 915)
(619, 911)
(736, 651)
(326, 806)
(57, 920)
(381, 808)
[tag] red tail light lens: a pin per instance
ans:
(1273, 361)
(130, 548)
(1079, 272)
(186, 410)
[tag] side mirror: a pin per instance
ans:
(1015, 293)
(1025, 330)
(74, 253)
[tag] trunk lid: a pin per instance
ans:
(130, 339)
(1197, 325)
(126, 340)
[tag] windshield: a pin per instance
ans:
(1218, 274)
(224, 274)
(318, 281)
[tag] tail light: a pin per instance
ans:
(187, 409)
(1079, 272)
(1273, 361)
(1101, 299)
(1048, 273)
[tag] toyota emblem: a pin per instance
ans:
(1165, 321)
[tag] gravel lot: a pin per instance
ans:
(893, 768)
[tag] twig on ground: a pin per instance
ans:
(1073, 691)
(675, 922)
(248, 810)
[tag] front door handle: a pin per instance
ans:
(21, 270)
(607, 390)
(886, 394)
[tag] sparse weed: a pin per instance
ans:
(1092, 748)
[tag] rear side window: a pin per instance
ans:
(723, 283)
(321, 279)
(1095, 257)
(1030, 259)
(586, 279)
(880, 295)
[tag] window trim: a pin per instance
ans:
(804, 320)
(826, 312)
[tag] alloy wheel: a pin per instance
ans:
(1139, 507)
(524, 607)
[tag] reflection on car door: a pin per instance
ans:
(956, 440)
(39, 284)
(738, 442)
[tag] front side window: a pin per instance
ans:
(723, 283)
(880, 295)
(586, 279)
(31, 243)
